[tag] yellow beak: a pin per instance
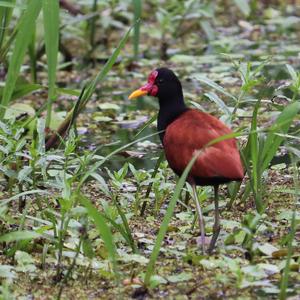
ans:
(137, 93)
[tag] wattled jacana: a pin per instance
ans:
(187, 130)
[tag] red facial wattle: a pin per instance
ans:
(150, 88)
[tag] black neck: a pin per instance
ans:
(169, 110)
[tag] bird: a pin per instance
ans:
(184, 131)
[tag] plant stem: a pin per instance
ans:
(69, 272)
(285, 275)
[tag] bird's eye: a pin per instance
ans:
(160, 80)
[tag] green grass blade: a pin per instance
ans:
(19, 236)
(22, 90)
(119, 228)
(156, 168)
(24, 35)
(225, 137)
(127, 228)
(12, 4)
(292, 72)
(254, 148)
(215, 86)
(76, 107)
(137, 9)
(92, 24)
(102, 74)
(215, 98)
(103, 229)
(5, 17)
(51, 28)
(17, 196)
(5, 48)
(286, 271)
(146, 125)
(255, 175)
(33, 58)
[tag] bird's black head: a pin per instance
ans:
(163, 84)
(168, 84)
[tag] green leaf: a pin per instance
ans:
(18, 109)
(293, 73)
(102, 228)
(134, 258)
(207, 27)
(19, 236)
(68, 92)
(281, 125)
(57, 117)
(156, 280)
(7, 271)
(23, 258)
(288, 215)
(88, 248)
(25, 89)
(244, 7)
(254, 271)
(180, 277)
(24, 173)
(267, 249)
(103, 186)
(40, 128)
(109, 106)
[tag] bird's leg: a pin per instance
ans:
(217, 227)
(200, 218)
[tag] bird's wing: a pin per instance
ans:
(191, 132)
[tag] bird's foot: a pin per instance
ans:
(202, 243)
(212, 244)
